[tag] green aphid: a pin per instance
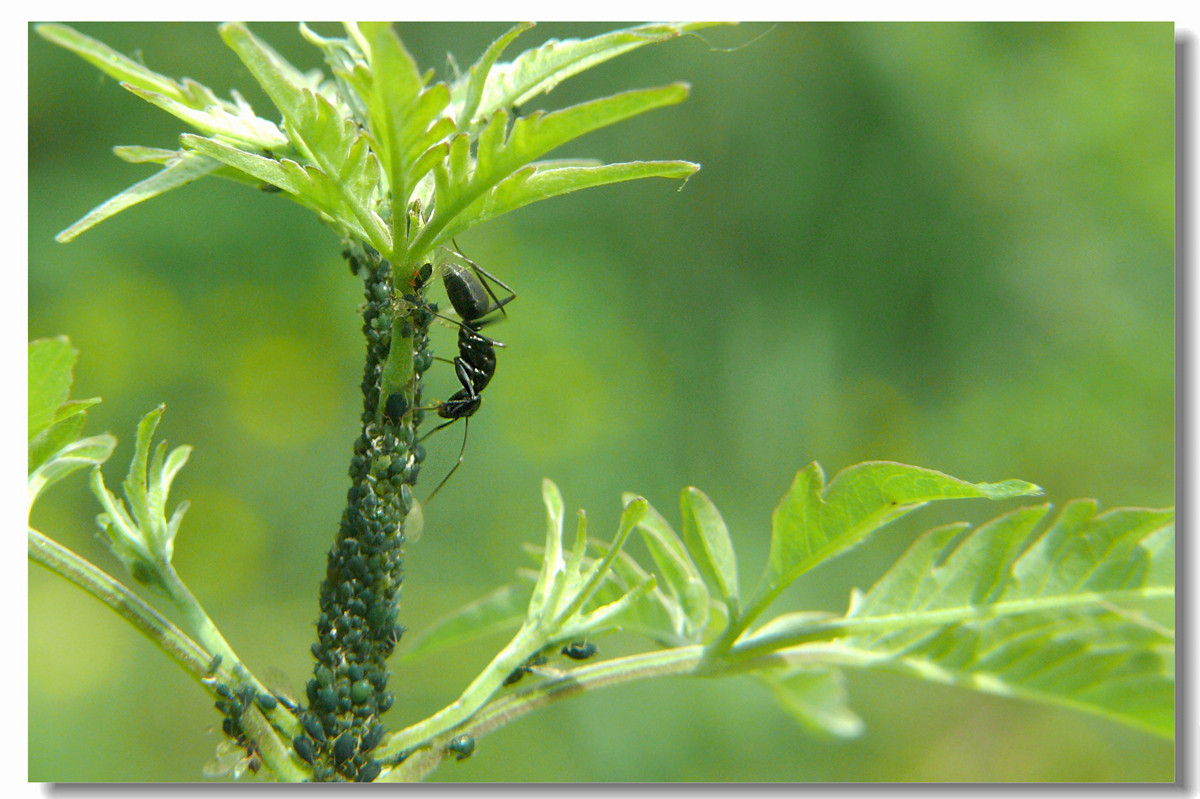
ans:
(462, 746)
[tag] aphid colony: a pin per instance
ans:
(357, 625)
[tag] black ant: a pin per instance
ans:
(475, 302)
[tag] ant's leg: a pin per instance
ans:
(473, 327)
(463, 449)
(439, 427)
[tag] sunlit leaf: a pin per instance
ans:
(539, 70)
(708, 541)
(76, 455)
(51, 361)
(1055, 623)
(333, 143)
(181, 170)
(817, 699)
(814, 522)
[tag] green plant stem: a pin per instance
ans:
(524, 645)
(275, 751)
(677, 661)
(128, 605)
(210, 637)
(191, 656)
(739, 624)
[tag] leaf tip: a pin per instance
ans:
(634, 510)
(552, 497)
(1007, 489)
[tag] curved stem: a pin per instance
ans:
(523, 645)
(191, 656)
(202, 627)
(677, 661)
(128, 605)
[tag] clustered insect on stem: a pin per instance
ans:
(357, 626)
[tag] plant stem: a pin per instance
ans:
(357, 627)
(192, 657)
(677, 661)
(524, 645)
(128, 605)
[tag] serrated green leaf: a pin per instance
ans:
(539, 70)
(707, 539)
(136, 484)
(120, 532)
(188, 100)
(137, 529)
(136, 154)
(1067, 559)
(681, 578)
(656, 615)
(1048, 625)
(817, 699)
(306, 185)
(630, 516)
(329, 140)
(813, 523)
(56, 436)
(51, 361)
(72, 408)
(406, 118)
(544, 180)
(500, 611)
(590, 578)
(213, 120)
(460, 183)
(609, 616)
(90, 451)
(179, 171)
(162, 473)
(469, 92)
(343, 56)
(552, 562)
(126, 70)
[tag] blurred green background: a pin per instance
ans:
(944, 244)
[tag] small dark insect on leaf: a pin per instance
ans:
(523, 669)
(304, 748)
(462, 746)
(579, 650)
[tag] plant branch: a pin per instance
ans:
(192, 657)
(556, 687)
(128, 605)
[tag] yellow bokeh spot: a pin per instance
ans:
(69, 624)
(284, 391)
